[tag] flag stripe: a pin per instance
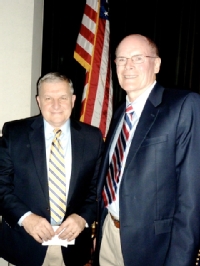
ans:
(82, 57)
(88, 35)
(85, 42)
(104, 96)
(90, 14)
(86, 46)
(92, 52)
(100, 73)
(106, 113)
(94, 95)
(93, 4)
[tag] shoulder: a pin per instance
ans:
(84, 128)
(182, 103)
(185, 101)
(172, 97)
(20, 124)
(86, 135)
(178, 94)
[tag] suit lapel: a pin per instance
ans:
(37, 143)
(77, 155)
(146, 121)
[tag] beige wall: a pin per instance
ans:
(21, 26)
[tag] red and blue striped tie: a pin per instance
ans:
(112, 177)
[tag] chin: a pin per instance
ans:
(130, 88)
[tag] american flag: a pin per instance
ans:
(93, 53)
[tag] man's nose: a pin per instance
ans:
(56, 103)
(129, 63)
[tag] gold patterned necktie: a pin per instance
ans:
(57, 179)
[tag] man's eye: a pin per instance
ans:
(121, 59)
(138, 58)
(63, 98)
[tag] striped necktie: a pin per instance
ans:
(112, 177)
(57, 179)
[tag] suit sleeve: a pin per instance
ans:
(12, 207)
(186, 224)
(88, 209)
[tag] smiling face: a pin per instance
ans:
(136, 78)
(56, 101)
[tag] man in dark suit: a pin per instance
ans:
(149, 214)
(24, 181)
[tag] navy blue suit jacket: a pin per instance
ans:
(160, 187)
(24, 187)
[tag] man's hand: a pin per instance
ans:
(71, 227)
(38, 227)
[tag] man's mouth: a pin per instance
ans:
(130, 76)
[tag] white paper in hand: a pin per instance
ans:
(57, 241)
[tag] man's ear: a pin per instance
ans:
(38, 100)
(73, 100)
(157, 65)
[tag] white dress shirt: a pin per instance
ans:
(138, 106)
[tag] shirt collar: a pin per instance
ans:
(138, 104)
(48, 129)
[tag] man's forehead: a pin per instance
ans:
(59, 87)
(55, 84)
(133, 47)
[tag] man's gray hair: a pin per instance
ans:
(54, 77)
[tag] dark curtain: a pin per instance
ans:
(173, 25)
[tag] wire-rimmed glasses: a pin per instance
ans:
(135, 59)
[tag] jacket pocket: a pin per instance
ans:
(163, 226)
(156, 140)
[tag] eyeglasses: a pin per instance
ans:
(135, 59)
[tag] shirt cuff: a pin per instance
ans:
(23, 217)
